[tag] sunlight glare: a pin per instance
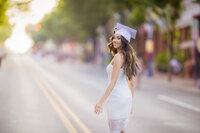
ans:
(19, 41)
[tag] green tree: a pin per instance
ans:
(74, 19)
(5, 31)
(168, 12)
(58, 26)
(163, 13)
(5, 27)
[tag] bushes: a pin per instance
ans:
(162, 61)
(179, 56)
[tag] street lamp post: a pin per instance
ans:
(195, 35)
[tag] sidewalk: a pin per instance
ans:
(176, 83)
(161, 79)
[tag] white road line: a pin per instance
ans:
(175, 124)
(178, 103)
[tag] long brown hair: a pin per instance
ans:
(131, 65)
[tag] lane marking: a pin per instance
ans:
(178, 103)
(175, 124)
(61, 114)
(64, 105)
(69, 111)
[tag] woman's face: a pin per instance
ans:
(117, 42)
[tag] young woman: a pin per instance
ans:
(121, 70)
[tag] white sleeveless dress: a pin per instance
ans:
(119, 102)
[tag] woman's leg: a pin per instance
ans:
(118, 125)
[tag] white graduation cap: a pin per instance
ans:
(125, 31)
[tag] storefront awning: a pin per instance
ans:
(187, 44)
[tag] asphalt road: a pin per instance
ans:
(43, 96)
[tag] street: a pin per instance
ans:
(39, 95)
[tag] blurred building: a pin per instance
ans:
(186, 43)
(185, 24)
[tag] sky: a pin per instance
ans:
(19, 41)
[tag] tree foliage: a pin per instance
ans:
(75, 19)
(5, 27)
(164, 15)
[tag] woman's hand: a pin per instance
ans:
(98, 108)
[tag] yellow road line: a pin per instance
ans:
(69, 111)
(64, 119)
(65, 106)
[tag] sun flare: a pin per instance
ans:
(19, 41)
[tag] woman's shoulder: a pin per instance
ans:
(117, 58)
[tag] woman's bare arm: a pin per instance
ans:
(115, 72)
(131, 85)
